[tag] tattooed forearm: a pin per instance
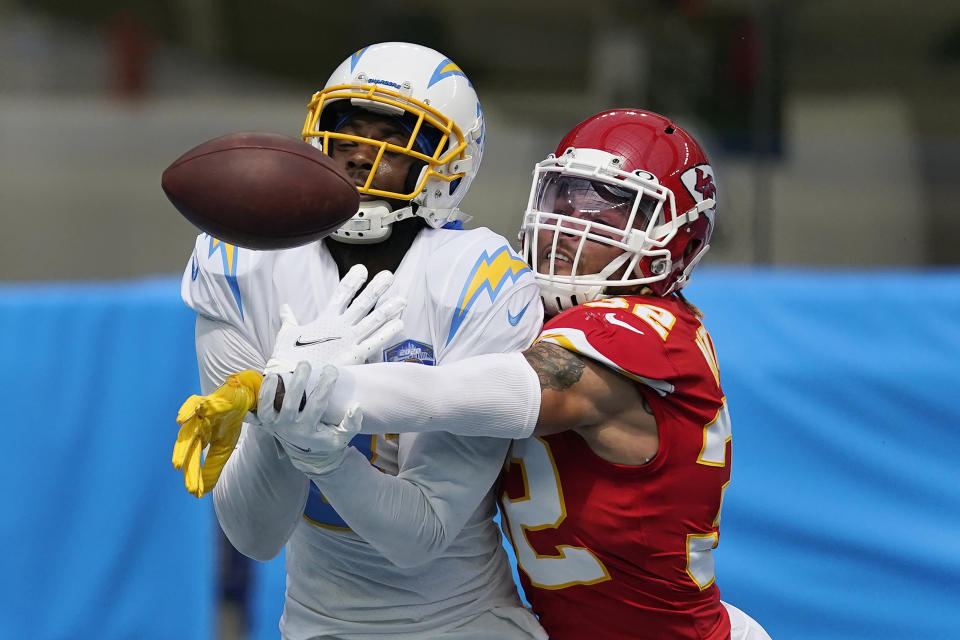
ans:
(557, 368)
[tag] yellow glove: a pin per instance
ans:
(213, 420)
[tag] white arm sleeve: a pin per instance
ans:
(495, 395)
(260, 496)
(412, 517)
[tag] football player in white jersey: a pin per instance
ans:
(397, 539)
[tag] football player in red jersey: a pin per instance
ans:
(612, 491)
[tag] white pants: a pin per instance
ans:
(743, 627)
(499, 623)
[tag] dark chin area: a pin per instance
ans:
(377, 256)
(635, 290)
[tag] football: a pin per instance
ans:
(261, 190)
(281, 393)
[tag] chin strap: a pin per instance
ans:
(372, 223)
(438, 218)
(559, 296)
(684, 277)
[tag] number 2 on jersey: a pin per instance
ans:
(659, 319)
(542, 507)
(700, 546)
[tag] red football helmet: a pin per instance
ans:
(627, 179)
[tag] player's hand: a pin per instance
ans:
(212, 420)
(312, 445)
(344, 332)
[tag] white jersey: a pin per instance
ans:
(430, 557)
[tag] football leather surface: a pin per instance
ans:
(281, 393)
(261, 190)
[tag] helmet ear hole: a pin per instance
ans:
(692, 246)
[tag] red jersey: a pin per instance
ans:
(611, 551)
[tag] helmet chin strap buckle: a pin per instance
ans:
(371, 223)
(462, 166)
(436, 218)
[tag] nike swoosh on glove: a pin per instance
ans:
(344, 332)
(213, 420)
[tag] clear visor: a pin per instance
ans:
(590, 230)
(596, 207)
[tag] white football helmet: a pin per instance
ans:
(435, 103)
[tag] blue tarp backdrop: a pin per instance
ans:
(844, 390)
(99, 537)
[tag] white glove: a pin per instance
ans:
(312, 445)
(343, 332)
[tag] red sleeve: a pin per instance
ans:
(618, 334)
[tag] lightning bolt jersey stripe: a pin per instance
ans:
(490, 274)
(229, 255)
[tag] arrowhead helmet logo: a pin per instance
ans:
(704, 184)
(699, 182)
